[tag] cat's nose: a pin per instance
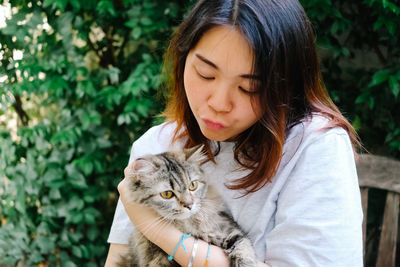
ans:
(188, 205)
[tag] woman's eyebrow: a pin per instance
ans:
(208, 62)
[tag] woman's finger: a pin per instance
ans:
(121, 186)
(126, 171)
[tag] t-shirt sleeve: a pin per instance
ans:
(121, 228)
(318, 217)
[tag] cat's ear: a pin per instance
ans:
(196, 153)
(141, 165)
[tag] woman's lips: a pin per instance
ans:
(214, 125)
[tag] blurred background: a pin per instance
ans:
(80, 80)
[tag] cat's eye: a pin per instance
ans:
(193, 185)
(167, 194)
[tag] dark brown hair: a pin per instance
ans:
(290, 89)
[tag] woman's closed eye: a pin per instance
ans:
(247, 91)
(210, 78)
(205, 77)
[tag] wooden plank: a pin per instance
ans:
(364, 201)
(378, 172)
(388, 239)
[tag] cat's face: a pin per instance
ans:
(172, 183)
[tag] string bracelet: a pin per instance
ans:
(184, 236)
(208, 255)
(194, 250)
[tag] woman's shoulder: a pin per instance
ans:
(159, 132)
(157, 139)
(314, 127)
(317, 131)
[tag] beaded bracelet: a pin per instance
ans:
(194, 250)
(184, 236)
(208, 255)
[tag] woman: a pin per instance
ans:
(245, 82)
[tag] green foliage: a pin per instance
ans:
(360, 48)
(84, 89)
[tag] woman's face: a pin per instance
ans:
(217, 80)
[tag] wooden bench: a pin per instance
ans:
(382, 173)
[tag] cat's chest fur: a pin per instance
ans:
(208, 220)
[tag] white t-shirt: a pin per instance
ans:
(309, 215)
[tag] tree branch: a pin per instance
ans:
(91, 45)
(380, 54)
(20, 111)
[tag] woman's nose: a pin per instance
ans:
(220, 99)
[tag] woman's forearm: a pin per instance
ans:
(166, 236)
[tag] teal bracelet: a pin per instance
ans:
(208, 255)
(184, 236)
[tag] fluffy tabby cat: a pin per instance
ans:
(174, 185)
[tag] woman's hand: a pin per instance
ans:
(123, 187)
(141, 216)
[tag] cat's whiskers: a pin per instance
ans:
(164, 224)
(204, 216)
(155, 223)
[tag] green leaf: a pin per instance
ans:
(11, 29)
(379, 77)
(76, 218)
(391, 27)
(76, 4)
(86, 88)
(356, 123)
(85, 164)
(68, 264)
(46, 244)
(35, 20)
(394, 86)
(146, 21)
(113, 73)
(131, 23)
(89, 218)
(76, 236)
(75, 178)
(106, 7)
(93, 233)
(103, 142)
(52, 174)
(60, 4)
(36, 257)
(55, 193)
(48, 3)
(136, 33)
(77, 251)
(89, 198)
(76, 203)
(371, 103)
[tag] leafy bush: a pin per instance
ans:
(360, 50)
(84, 89)
(87, 85)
